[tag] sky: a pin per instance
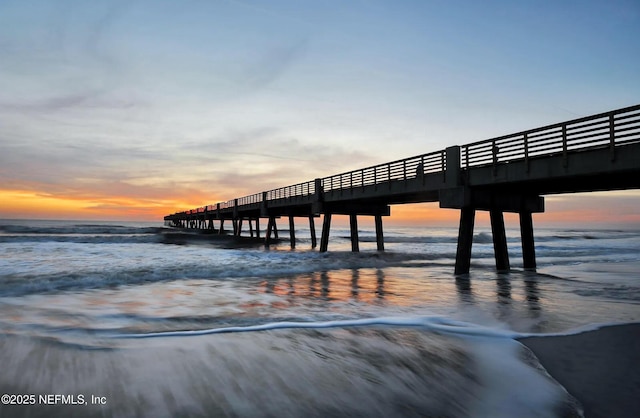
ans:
(135, 109)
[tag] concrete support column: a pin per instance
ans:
(312, 229)
(465, 239)
(292, 232)
(499, 240)
(452, 172)
(258, 227)
(528, 247)
(221, 230)
(324, 239)
(271, 226)
(250, 228)
(379, 234)
(353, 224)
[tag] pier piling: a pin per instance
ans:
(312, 230)
(528, 246)
(499, 240)
(292, 232)
(353, 226)
(465, 240)
(271, 230)
(379, 233)
(324, 239)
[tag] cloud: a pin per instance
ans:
(270, 65)
(228, 164)
(84, 101)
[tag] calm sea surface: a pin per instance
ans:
(129, 319)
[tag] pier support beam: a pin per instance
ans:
(312, 229)
(258, 227)
(292, 232)
(221, 230)
(324, 239)
(499, 240)
(379, 234)
(528, 247)
(465, 239)
(353, 226)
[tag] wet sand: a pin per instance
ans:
(599, 368)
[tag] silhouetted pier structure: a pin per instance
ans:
(509, 173)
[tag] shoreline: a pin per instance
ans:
(599, 367)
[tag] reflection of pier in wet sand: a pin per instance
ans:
(371, 286)
(360, 285)
(510, 173)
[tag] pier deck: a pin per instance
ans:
(511, 173)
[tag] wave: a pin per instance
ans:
(576, 255)
(383, 371)
(78, 229)
(81, 239)
(208, 263)
(396, 239)
(435, 323)
(620, 292)
(140, 260)
(580, 235)
(432, 323)
(79, 233)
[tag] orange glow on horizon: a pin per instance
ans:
(28, 204)
(21, 204)
(426, 214)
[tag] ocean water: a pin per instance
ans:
(131, 319)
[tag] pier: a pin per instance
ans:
(510, 173)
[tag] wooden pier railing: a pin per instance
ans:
(604, 130)
(509, 173)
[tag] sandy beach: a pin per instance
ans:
(599, 368)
